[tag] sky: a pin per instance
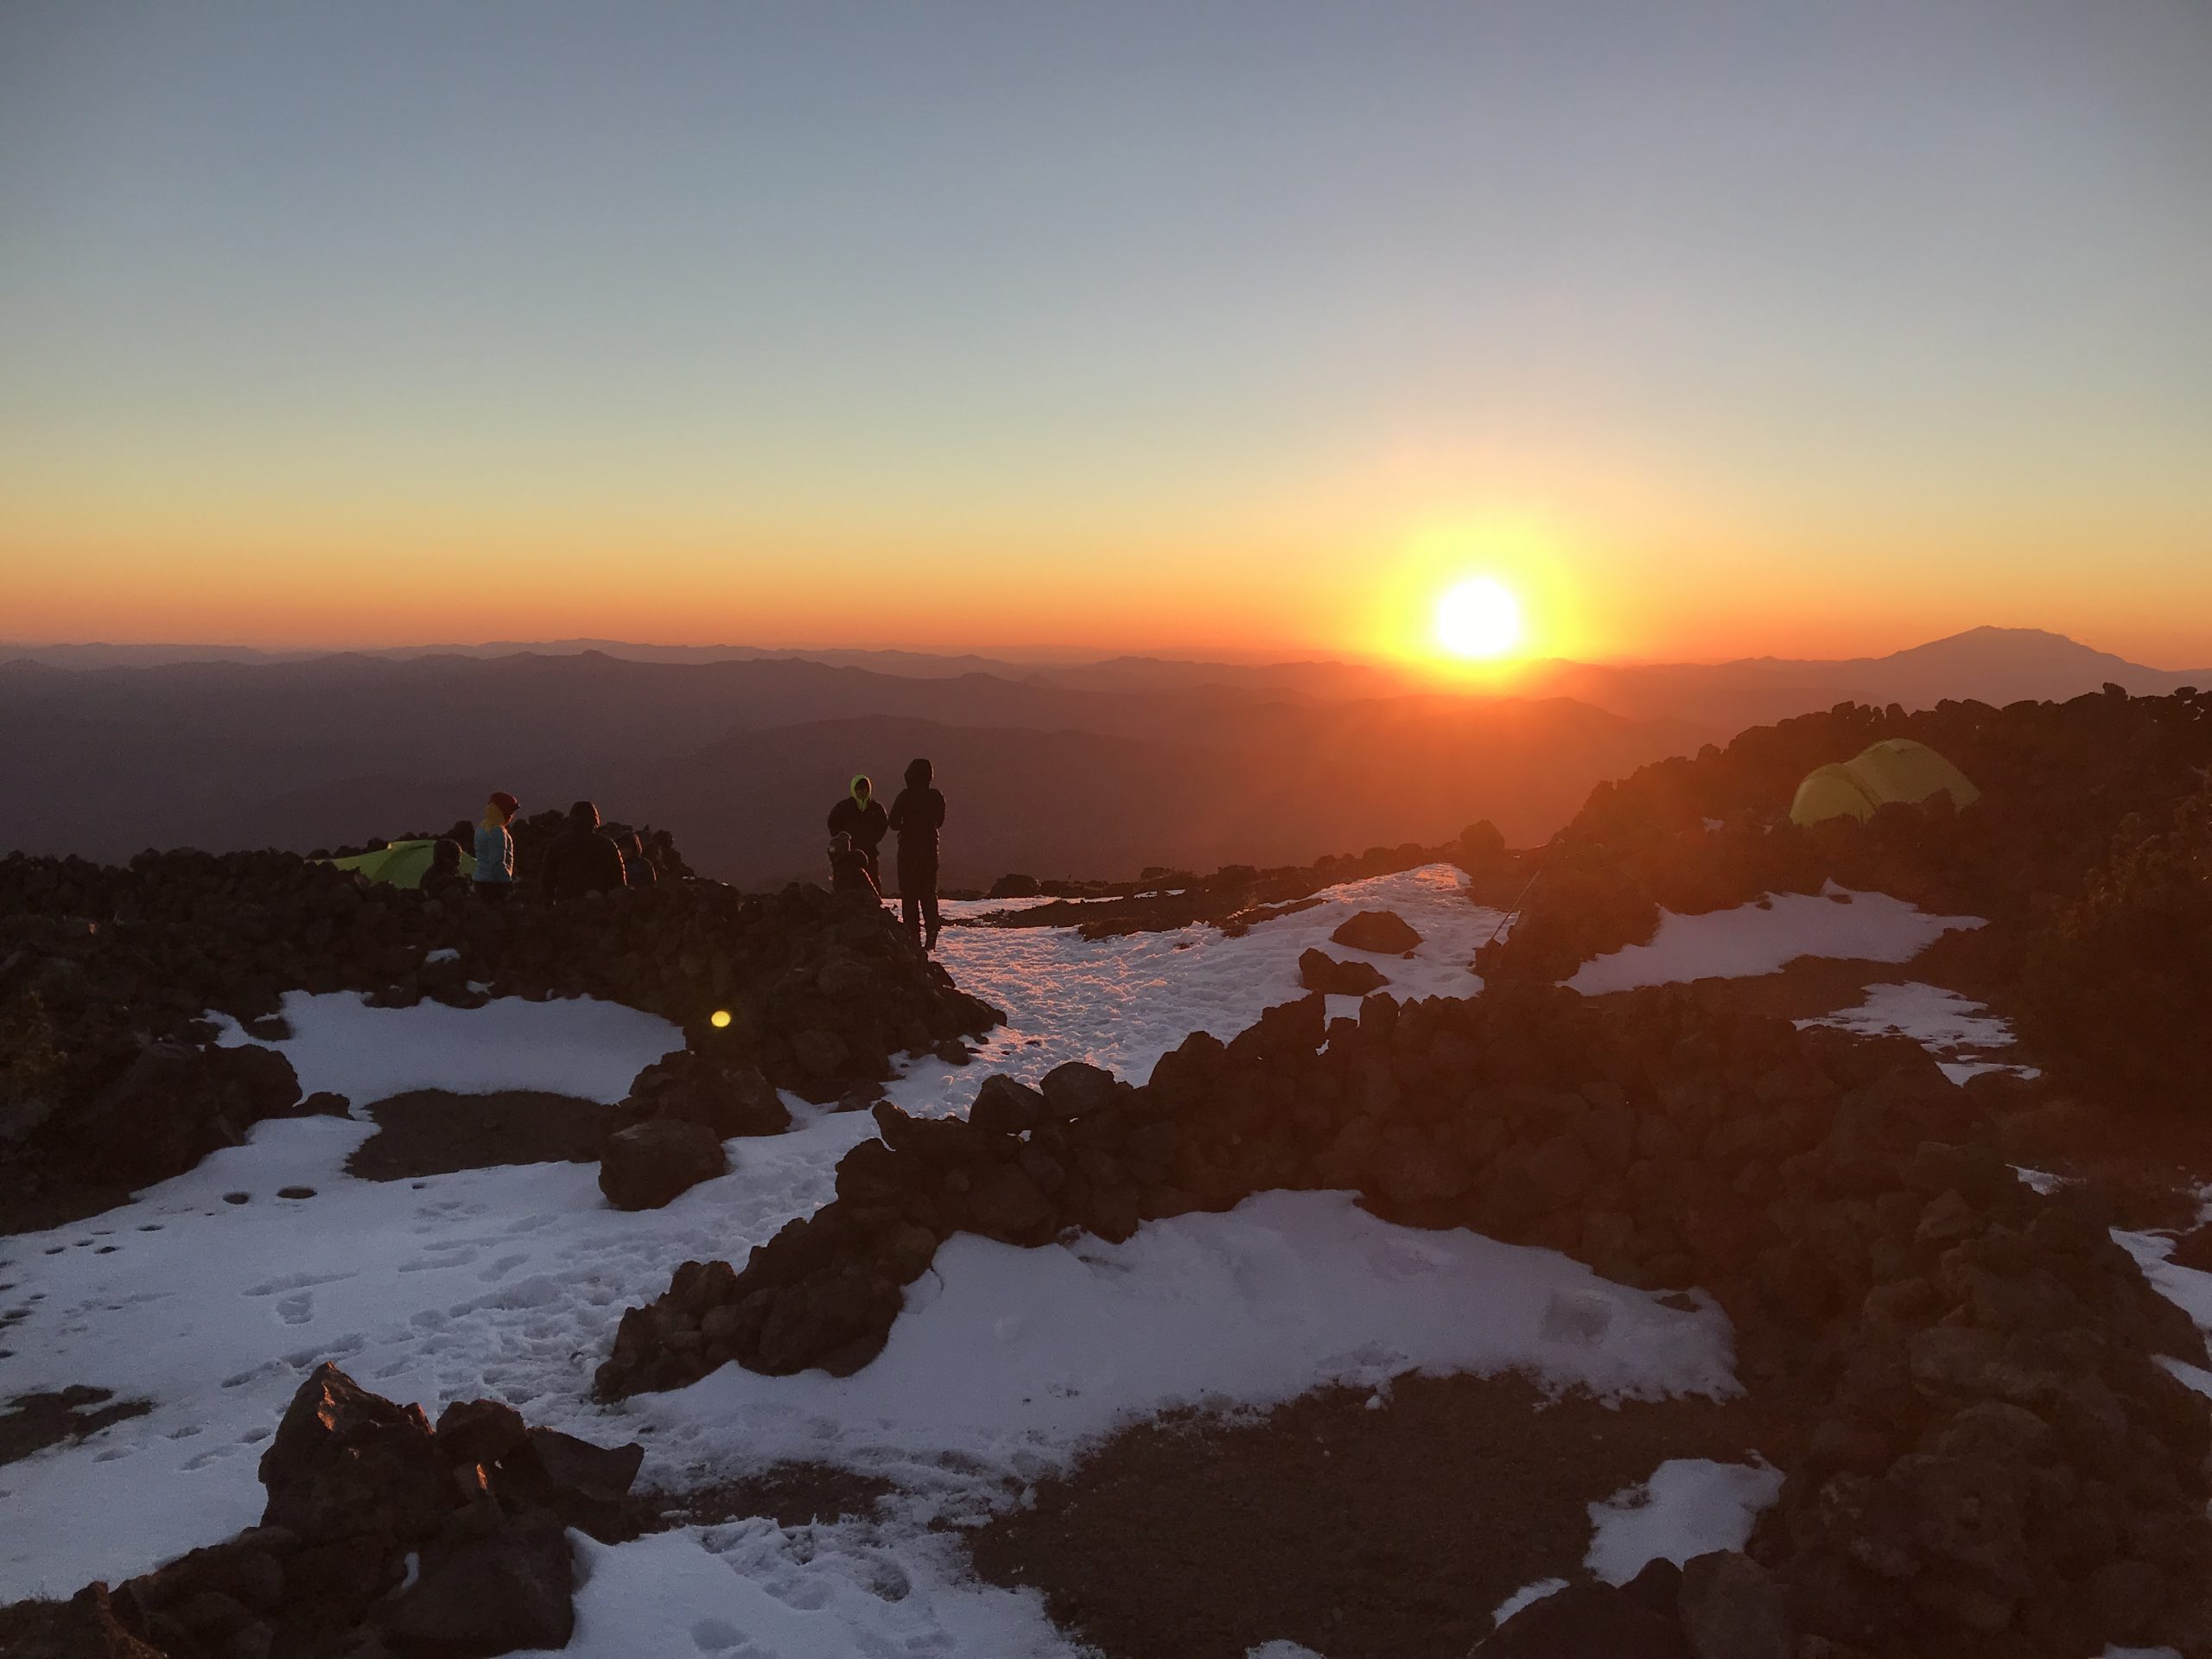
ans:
(1706, 329)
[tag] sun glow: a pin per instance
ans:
(1478, 619)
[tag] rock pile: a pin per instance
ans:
(2057, 782)
(98, 963)
(382, 1536)
(172, 1105)
(2002, 1464)
(708, 1082)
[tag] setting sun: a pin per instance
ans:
(1479, 617)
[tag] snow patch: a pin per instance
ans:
(753, 1589)
(1688, 1507)
(2188, 1289)
(1959, 1032)
(1010, 1359)
(1761, 937)
(1525, 1596)
(576, 1046)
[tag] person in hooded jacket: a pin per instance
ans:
(860, 816)
(495, 848)
(915, 816)
(580, 859)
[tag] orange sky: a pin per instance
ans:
(1354, 580)
(1107, 328)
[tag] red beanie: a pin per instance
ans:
(505, 802)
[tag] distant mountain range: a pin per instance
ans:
(1057, 768)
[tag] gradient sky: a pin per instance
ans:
(1715, 329)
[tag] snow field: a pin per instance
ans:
(1123, 1002)
(508, 1282)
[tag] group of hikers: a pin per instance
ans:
(857, 826)
(582, 859)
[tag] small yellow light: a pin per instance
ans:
(719, 1019)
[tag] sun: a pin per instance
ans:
(1479, 617)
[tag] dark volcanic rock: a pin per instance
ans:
(1004, 1107)
(645, 1166)
(1591, 1621)
(357, 1485)
(1319, 971)
(1076, 1088)
(1005, 1204)
(1732, 1608)
(84, 1627)
(574, 1476)
(1381, 932)
(490, 1583)
(729, 1096)
(346, 1463)
(479, 1431)
(173, 1105)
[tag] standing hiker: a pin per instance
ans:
(860, 816)
(915, 816)
(495, 848)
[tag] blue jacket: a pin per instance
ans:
(495, 853)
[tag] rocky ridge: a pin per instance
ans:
(106, 974)
(2001, 1464)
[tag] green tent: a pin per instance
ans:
(1896, 769)
(403, 864)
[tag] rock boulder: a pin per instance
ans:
(1384, 932)
(1319, 971)
(647, 1165)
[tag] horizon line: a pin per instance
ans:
(1038, 655)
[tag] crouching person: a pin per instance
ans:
(849, 870)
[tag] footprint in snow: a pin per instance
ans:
(455, 1256)
(295, 1282)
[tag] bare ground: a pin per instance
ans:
(432, 1132)
(1364, 1534)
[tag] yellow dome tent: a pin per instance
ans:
(403, 864)
(1896, 769)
